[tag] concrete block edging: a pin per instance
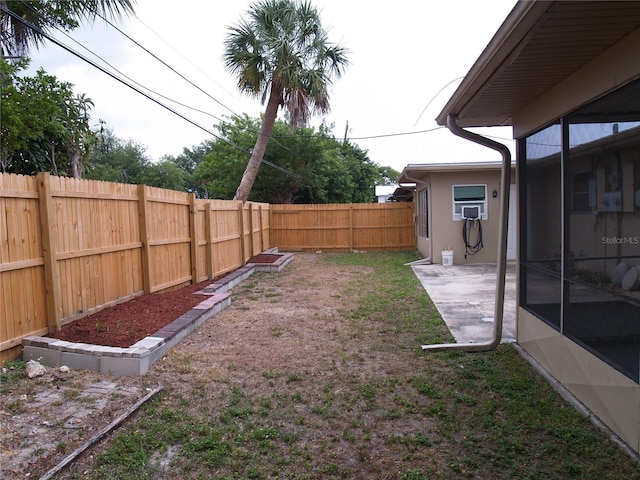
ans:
(138, 358)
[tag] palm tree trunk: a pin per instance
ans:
(251, 171)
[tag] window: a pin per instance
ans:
(584, 189)
(577, 271)
(423, 213)
(469, 196)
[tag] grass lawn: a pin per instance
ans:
(367, 404)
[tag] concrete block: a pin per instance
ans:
(121, 366)
(79, 361)
(149, 342)
(60, 345)
(46, 356)
(38, 341)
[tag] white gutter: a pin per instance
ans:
(505, 182)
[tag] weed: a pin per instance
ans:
(70, 394)
(12, 372)
(294, 377)
(16, 407)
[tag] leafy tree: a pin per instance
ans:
(45, 127)
(389, 176)
(16, 37)
(188, 161)
(166, 174)
(282, 55)
(116, 160)
(307, 166)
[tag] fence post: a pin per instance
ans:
(251, 235)
(261, 226)
(144, 238)
(52, 277)
(241, 227)
(193, 218)
(209, 236)
(270, 226)
(351, 246)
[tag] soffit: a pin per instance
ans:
(539, 44)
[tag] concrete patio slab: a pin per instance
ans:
(465, 297)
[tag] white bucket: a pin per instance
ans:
(447, 258)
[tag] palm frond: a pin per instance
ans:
(283, 48)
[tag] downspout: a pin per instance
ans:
(505, 181)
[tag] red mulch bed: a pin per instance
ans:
(124, 324)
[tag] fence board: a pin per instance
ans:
(341, 227)
(22, 290)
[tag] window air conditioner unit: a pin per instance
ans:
(470, 212)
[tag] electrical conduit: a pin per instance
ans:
(505, 182)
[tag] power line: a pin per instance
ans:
(183, 56)
(434, 97)
(137, 90)
(136, 82)
(180, 75)
(166, 65)
(115, 77)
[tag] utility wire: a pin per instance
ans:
(166, 64)
(183, 56)
(136, 82)
(137, 90)
(434, 97)
(112, 75)
(179, 74)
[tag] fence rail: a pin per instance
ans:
(69, 248)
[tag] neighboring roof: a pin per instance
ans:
(409, 172)
(402, 194)
(539, 44)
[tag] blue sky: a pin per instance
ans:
(403, 55)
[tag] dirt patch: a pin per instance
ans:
(301, 315)
(45, 419)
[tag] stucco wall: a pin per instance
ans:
(446, 232)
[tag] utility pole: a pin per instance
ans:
(346, 131)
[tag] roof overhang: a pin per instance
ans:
(412, 172)
(538, 45)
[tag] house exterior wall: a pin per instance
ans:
(444, 231)
(612, 396)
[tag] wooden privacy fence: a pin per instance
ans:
(69, 248)
(342, 227)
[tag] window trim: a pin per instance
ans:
(484, 205)
(423, 213)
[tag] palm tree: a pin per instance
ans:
(16, 36)
(281, 54)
